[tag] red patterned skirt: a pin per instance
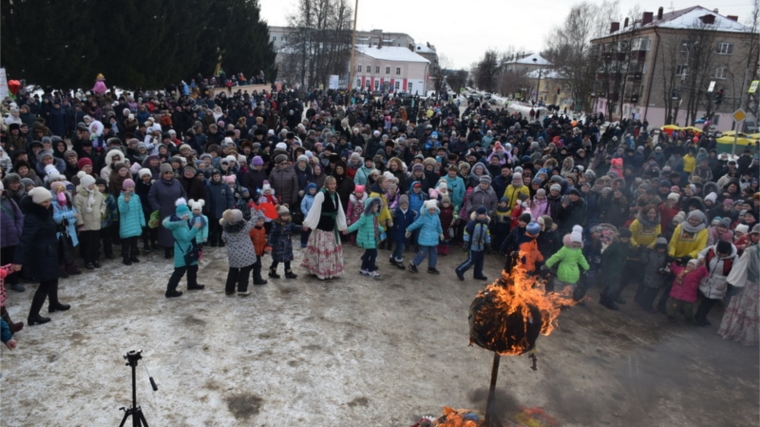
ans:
(323, 256)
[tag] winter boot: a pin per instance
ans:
(63, 272)
(290, 275)
(125, 260)
(192, 279)
(15, 327)
(34, 313)
(54, 304)
(273, 273)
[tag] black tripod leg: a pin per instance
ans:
(141, 418)
(124, 420)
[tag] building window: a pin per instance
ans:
(387, 70)
(675, 93)
(359, 68)
(721, 73)
(685, 45)
(358, 82)
(398, 72)
(410, 87)
(377, 69)
(377, 84)
(398, 85)
(682, 69)
(725, 48)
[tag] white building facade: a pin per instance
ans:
(390, 69)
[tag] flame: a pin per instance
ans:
(523, 293)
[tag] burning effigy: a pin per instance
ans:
(507, 318)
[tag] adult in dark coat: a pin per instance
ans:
(11, 226)
(163, 193)
(193, 183)
(38, 251)
(284, 181)
(345, 184)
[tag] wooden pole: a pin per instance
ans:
(490, 419)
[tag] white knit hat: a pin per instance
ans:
(86, 181)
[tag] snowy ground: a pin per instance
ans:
(352, 352)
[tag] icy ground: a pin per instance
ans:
(352, 352)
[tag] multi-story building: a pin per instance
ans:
(391, 69)
(676, 67)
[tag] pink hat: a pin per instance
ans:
(229, 179)
(358, 188)
(675, 189)
(127, 183)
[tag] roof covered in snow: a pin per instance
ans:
(545, 74)
(689, 18)
(391, 53)
(528, 60)
(423, 48)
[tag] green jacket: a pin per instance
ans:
(368, 235)
(569, 259)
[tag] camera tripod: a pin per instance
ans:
(138, 419)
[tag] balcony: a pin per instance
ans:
(613, 56)
(636, 77)
(632, 99)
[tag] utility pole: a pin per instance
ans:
(353, 52)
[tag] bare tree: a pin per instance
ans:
(487, 71)
(670, 66)
(700, 52)
(320, 41)
(753, 59)
(568, 47)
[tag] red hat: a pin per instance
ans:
(83, 161)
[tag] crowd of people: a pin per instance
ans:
(582, 201)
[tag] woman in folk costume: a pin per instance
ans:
(740, 321)
(324, 253)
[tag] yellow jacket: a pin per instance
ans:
(683, 243)
(689, 163)
(511, 192)
(642, 236)
(385, 214)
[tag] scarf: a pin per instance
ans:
(61, 198)
(90, 199)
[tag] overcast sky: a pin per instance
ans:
(464, 30)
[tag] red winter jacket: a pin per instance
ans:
(685, 288)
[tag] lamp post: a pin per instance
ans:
(538, 85)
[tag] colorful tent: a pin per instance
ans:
(726, 142)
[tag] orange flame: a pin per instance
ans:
(519, 292)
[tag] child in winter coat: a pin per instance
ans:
(109, 223)
(196, 207)
(403, 217)
(90, 207)
(540, 204)
(477, 241)
(355, 208)
(243, 203)
(448, 224)
(184, 233)
(683, 294)
(431, 233)
(258, 235)
(522, 207)
(416, 197)
(368, 235)
(267, 194)
(656, 274)
(570, 258)
(279, 240)
(306, 202)
(379, 189)
(64, 215)
(131, 222)
(241, 254)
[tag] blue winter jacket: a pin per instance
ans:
(457, 189)
(402, 220)
(183, 238)
(69, 213)
(476, 235)
(220, 198)
(429, 226)
(416, 199)
(306, 203)
(131, 218)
